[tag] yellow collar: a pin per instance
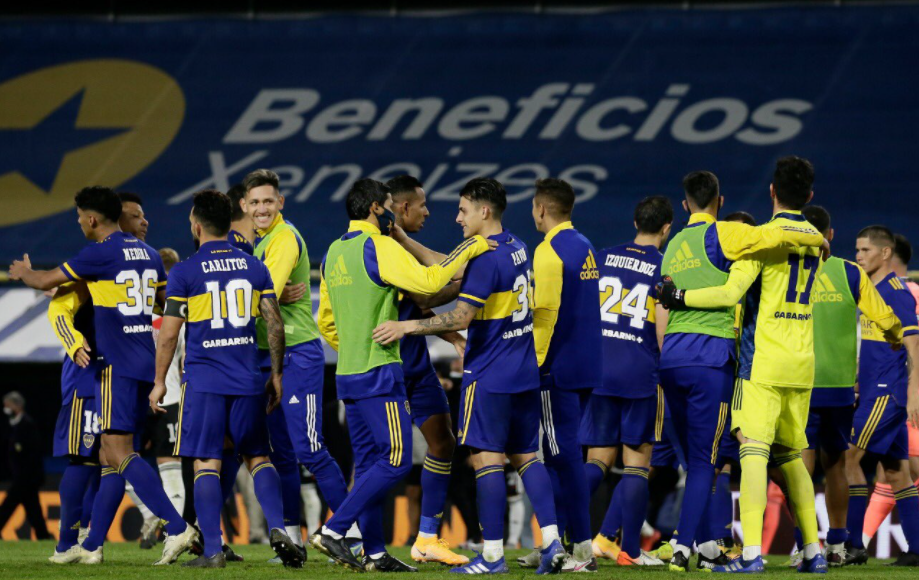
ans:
(554, 231)
(701, 217)
(362, 226)
(277, 219)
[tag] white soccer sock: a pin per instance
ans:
(312, 506)
(294, 533)
(549, 535)
(171, 474)
(354, 532)
(752, 552)
(678, 547)
(493, 550)
(144, 510)
(583, 551)
(710, 549)
(377, 556)
(811, 550)
(333, 534)
(647, 530)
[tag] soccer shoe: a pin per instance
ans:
(663, 552)
(356, 545)
(835, 555)
(679, 562)
(741, 566)
(68, 556)
(708, 564)
(603, 547)
(572, 565)
(855, 556)
(906, 559)
(436, 550)
(230, 555)
(289, 552)
(150, 533)
(94, 557)
(643, 559)
(338, 550)
(795, 560)
(175, 546)
(386, 563)
(552, 558)
(531, 560)
(82, 535)
(218, 560)
(478, 565)
(816, 565)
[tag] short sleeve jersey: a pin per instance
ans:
(500, 352)
(221, 286)
(628, 297)
(123, 275)
(882, 370)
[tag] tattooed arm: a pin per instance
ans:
(271, 312)
(457, 319)
(911, 343)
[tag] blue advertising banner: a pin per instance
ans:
(620, 104)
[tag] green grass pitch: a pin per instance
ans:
(126, 561)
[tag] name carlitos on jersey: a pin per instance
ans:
(224, 265)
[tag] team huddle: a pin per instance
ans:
(735, 348)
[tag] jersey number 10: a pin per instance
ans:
(233, 304)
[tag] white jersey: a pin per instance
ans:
(174, 376)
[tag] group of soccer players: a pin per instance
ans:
(742, 338)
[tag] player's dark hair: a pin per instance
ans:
(486, 190)
(793, 181)
(403, 185)
(102, 200)
(902, 248)
(129, 197)
(878, 235)
(701, 188)
(818, 217)
(236, 194)
(261, 177)
(653, 213)
(212, 210)
(556, 194)
(742, 217)
(362, 195)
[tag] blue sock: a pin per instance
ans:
(696, 495)
(558, 498)
(435, 481)
(538, 486)
(595, 470)
(799, 539)
(269, 489)
(491, 497)
(149, 489)
(370, 523)
(908, 506)
(721, 508)
(836, 536)
(290, 493)
(574, 497)
(108, 499)
(634, 486)
(329, 479)
(855, 519)
(229, 469)
(89, 496)
(612, 521)
(207, 505)
(72, 489)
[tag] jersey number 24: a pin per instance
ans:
(634, 304)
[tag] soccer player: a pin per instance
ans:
(125, 278)
(426, 396)
(501, 411)
(132, 220)
(362, 275)
(888, 384)
(840, 291)
(76, 433)
(296, 431)
(242, 229)
(627, 410)
(218, 293)
(770, 404)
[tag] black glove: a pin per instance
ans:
(671, 297)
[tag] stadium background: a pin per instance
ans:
(620, 100)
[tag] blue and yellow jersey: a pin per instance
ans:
(221, 287)
(71, 315)
(237, 240)
(413, 349)
(881, 370)
(565, 317)
(628, 298)
(500, 354)
(123, 275)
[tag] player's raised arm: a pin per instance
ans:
(739, 240)
(422, 253)
(872, 305)
(61, 312)
(741, 277)
(38, 279)
(445, 295)
(455, 320)
(400, 269)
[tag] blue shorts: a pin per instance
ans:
(698, 400)
(879, 427)
(610, 421)
(76, 431)
(122, 403)
(500, 422)
(426, 397)
(664, 454)
(205, 420)
(830, 428)
(561, 420)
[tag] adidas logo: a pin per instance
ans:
(338, 276)
(684, 259)
(589, 269)
(293, 400)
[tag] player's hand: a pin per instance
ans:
(492, 244)
(397, 233)
(19, 267)
(825, 250)
(460, 346)
(894, 340)
(274, 388)
(912, 411)
(388, 332)
(292, 293)
(81, 357)
(670, 297)
(156, 397)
